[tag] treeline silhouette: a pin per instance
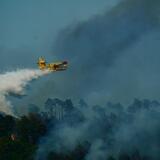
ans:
(20, 137)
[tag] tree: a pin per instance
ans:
(124, 156)
(31, 128)
(111, 158)
(136, 155)
(16, 150)
(7, 125)
(79, 153)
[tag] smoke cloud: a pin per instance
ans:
(105, 49)
(110, 130)
(14, 83)
(112, 56)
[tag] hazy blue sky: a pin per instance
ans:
(113, 56)
(28, 28)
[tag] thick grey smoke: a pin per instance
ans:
(114, 55)
(110, 130)
(14, 82)
(107, 44)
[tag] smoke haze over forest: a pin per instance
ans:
(113, 55)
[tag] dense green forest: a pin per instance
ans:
(21, 138)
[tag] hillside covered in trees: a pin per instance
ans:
(62, 130)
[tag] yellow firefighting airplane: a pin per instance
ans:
(57, 66)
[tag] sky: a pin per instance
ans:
(28, 28)
(112, 47)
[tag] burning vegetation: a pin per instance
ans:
(65, 131)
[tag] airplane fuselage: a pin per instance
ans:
(58, 66)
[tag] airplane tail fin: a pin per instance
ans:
(41, 63)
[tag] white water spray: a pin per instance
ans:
(14, 82)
